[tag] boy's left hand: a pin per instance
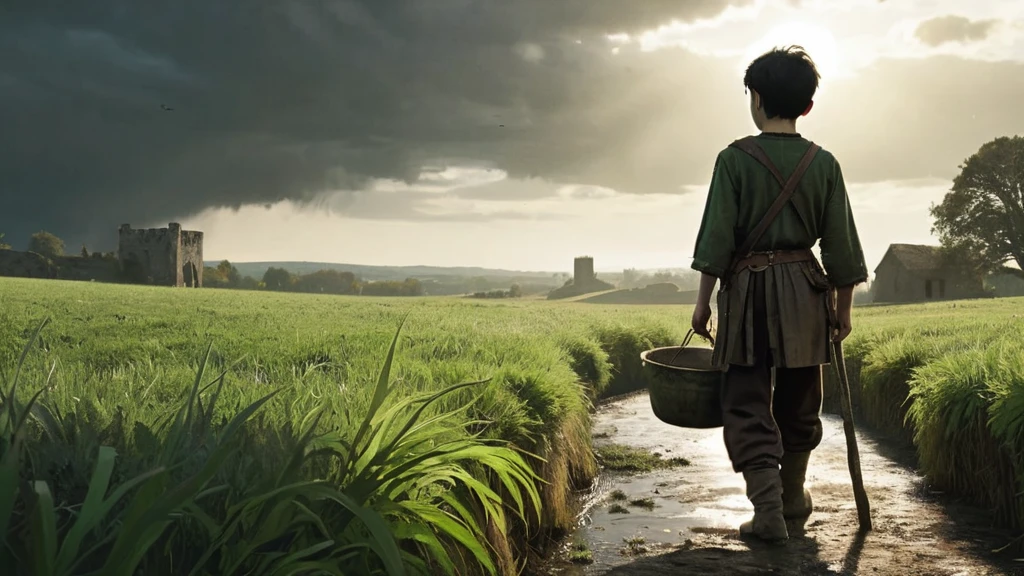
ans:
(701, 317)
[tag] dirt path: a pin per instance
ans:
(691, 529)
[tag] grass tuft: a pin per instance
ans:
(621, 458)
(645, 503)
(635, 546)
(581, 554)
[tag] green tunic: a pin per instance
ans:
(741, 192)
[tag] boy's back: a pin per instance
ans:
(776, 308)
(743, 189)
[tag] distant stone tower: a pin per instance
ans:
(162, 256)
(584, 280)
(583, 270)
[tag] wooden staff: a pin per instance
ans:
(852, 453)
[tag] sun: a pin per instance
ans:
(817, 40)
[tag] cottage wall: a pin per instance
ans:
(1006, 285)
(892, 283)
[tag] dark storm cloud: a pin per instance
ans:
(136, 111)
(943, 29)
(141, 112)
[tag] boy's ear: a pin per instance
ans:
(808, 109)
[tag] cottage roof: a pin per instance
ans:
(917, 258)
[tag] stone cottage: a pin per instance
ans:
(916, 273)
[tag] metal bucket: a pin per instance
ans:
(685, 390)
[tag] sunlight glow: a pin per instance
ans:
(819, 42)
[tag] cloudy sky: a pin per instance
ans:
(506, 133)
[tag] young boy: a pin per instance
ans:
(776, 307)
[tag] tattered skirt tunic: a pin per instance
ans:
(798, 303)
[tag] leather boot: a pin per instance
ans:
(764, 489)
(796, 500)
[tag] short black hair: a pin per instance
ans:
(786, 78)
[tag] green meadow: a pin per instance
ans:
(170, 431)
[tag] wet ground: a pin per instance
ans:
(692, 527)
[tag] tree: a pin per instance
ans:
(983, 214)
(4, 245)
(515, 291)
(479, 284)
(232, 277)
(277, 279)
(85, 251)
(327, 282)
(410, 287)
(47, 244)
(967, 264)
(212, 278)
(631, 278)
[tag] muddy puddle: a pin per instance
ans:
(692, 526)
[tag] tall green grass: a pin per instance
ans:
(949, 379)
(112, 366)
(401, 490)
(113, 361)
(968, 413)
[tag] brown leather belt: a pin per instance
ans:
(759, 261)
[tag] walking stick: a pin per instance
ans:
(852, 454)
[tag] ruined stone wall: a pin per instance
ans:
(150, 255)
(162, 256)
(33, 265)
(190, 264)
(88, 269)
(26, 265)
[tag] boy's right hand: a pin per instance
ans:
(844, 312)
(844, 327)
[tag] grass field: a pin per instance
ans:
(116, 355)
(326, 474)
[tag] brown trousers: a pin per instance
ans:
(760, 426)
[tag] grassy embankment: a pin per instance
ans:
(949, 379)
(320, 470)
(116, 361)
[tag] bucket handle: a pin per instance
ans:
(691, 334)
(686, 342)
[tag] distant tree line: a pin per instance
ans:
(226, 275)
(633, 278)
(515, 291)
(49, 245)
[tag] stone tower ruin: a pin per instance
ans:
(584, 280)
(161, 256)
(583, 270)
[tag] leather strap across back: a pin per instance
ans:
(750, 146)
